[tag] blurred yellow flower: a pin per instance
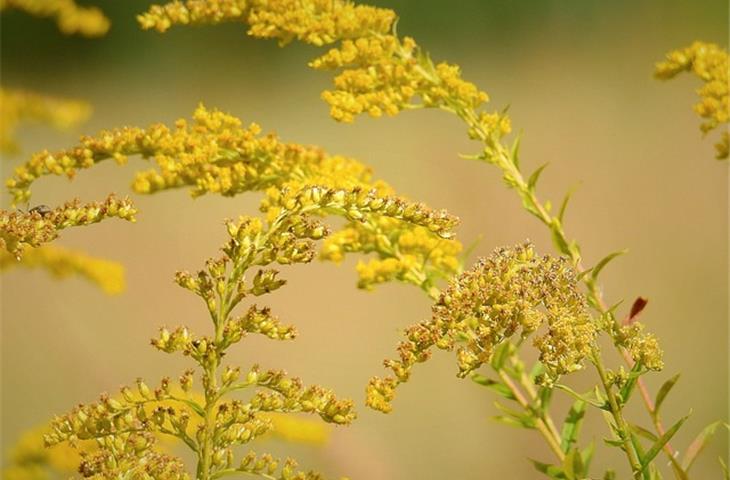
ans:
(70, 17)
(61, 263)
(22, 106)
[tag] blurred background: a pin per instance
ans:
(577, 77)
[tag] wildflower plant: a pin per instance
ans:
(378, 72)
(488, 314)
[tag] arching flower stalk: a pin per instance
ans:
(216, 153)
(20, 230)
(378, 72)
(709, 62)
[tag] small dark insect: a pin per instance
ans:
(42, 210)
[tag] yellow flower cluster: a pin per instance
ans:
(19, 106)
(30, 459)
(19, 230)
(215, 153)
(385, 75)
(318, 22)
(411, 255)
(62, 263)
(131, 455)
(709, 62)
(70, 17)
(212, 425)
(511, 292)
(379, 73)
(643, 347)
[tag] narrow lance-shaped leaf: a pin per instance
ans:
(515, 151)
(501, 389)
(571, 427)
(663, 392)
(552, 471)
(564, 204)
(698, 444)
(659, 444)
(605, 261)
(587, 457)
(532, 181)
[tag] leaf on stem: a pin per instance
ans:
(649, 456)
(698, 444)
(663, 392)
(572, 424)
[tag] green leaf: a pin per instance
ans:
(525, 420)
(663, 392)
(500, 355)
(558, 237)
(645, 473)
(515, 151)
(587, 457)
(544, 397)
(648, 434)
(564, 204)
(605, 261)
(551, 471)
(614, 442)
(579, 396)
(659, 444)
(628, 388)
(584, 273)
(498, 387)
(698, 444)
(532, 181)
(572, 424)
(569, 464)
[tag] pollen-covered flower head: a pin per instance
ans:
(511, 292)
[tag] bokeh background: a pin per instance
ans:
(578, 79)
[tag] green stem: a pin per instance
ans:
(550, 436)
(622, 427)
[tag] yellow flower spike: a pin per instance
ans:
(214, 154)
(709, 62)
(318, 22)
(511, 292)
(70, 17)
(22, 106)
(61, 263)
(19, 230)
